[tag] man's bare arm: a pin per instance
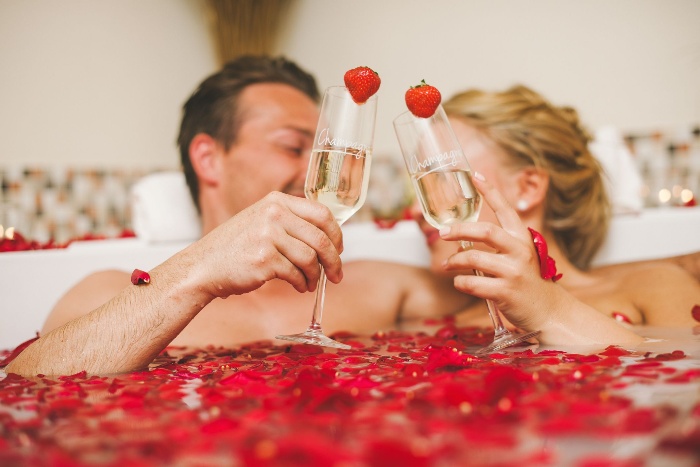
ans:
(280, 237)
(124, 334)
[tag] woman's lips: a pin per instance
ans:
(431, 235)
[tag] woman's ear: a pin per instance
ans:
(532, 186)
(204, 155)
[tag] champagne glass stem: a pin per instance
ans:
(495, 315)
(502, 337)
(314, 334)
(499, 329)
(320, 299)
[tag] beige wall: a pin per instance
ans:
(101, 82)
(628, 63)
(93, 83)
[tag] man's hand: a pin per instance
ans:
(279, 237)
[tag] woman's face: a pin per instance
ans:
(485, 157)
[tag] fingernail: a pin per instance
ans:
(479, 177)
(445, 231)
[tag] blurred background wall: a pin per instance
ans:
(99, 84)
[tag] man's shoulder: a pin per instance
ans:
(89, 293)
(111, 280)
(108, 275)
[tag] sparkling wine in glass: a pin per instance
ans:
(442, 180)
(338, 177)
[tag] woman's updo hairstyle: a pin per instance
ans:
(536, 133)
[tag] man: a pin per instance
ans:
(245, 141)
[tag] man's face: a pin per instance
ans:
(273, 145)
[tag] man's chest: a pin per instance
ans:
(262, 315)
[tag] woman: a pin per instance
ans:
(534, 170)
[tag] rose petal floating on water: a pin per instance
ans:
(420, 398)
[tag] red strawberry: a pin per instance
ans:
(422, 100)
(362, 82)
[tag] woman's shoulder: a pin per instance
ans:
(665, 292)
(91, 292)
(646, 283)
(653, 271)
(637, 270)
(680, 265)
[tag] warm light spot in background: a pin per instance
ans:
(686, 195)
(8, 233)
(664, 195)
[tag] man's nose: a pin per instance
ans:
(303, 165)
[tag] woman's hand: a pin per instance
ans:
(512, 267)
(515, 285)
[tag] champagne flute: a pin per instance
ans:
(338, 176)
(441, 177)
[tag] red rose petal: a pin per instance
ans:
(548, 267)
(621, 317)
(139, 277)
(429, 402)
(696, 312)
(18, 350)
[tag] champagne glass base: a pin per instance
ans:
(506, 340)
(314, 337)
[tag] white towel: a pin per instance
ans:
(162, 209)
(623, 179)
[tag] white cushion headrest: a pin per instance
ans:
(163, 210)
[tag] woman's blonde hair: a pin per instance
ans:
(533, 132)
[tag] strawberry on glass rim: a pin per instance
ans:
(423, 100)
(362, 83)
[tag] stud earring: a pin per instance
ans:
(521, 205)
